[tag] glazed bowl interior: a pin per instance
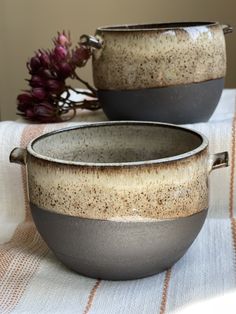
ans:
(117, 143)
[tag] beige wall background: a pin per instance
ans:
(26, 25)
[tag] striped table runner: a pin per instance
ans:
(32, 280)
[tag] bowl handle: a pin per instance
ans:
(18, 156)
(227, 29)
(218, 160)
(91, 41)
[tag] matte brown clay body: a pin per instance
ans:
(117, 250)
(181, 104)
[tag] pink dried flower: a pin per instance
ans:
(34, 65)
(47, 74)
(64, 39)
(36, 81)
(49, 70)
(38, 93)
(24, 101)
(60, 53)
(65, 70)
(55, 86)
(45, 112)
(44, 58)
(80, 56)
(24, 98)
(29, 113)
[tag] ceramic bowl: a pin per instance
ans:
(172, 72)
(119, 200)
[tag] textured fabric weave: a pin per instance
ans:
(32, 280)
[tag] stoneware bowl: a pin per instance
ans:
(170, 72)
(119, 200)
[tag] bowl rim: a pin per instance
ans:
(200, 148)
(197, 150)
(162, 26)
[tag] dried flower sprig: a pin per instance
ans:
(48, 99)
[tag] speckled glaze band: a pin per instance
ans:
(151, 192)
(157, 55)
(120, 170)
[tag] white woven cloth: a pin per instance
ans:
(32, 280)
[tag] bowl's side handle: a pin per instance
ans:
(227, 29)
(218, 160)
(91, 41)
(18, 155)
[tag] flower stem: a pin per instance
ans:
(93, 90)
(71, 117)
(80, 92)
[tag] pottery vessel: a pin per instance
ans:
(119, 200)
(171, 72)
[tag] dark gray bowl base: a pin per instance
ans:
(179, 104)
(117, 250)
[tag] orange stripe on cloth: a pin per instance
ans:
(21, 256)
(21, 234)
(92, 296)
(232, 173)
(165, 291)
(232, 184)
(25, 262)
